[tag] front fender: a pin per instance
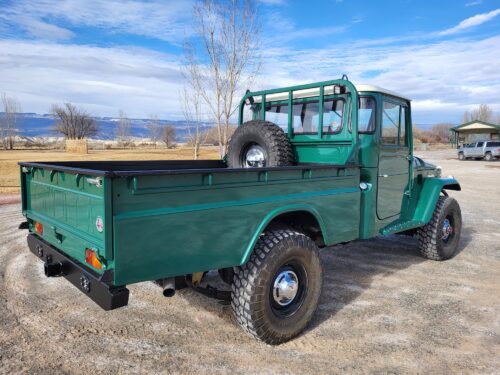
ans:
(429, 195)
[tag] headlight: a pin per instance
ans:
(438, 171)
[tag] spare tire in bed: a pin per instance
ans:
(259, 144)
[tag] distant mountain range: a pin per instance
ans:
(32, 125)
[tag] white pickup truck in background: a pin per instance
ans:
(489, 150)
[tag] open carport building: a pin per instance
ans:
(474, 131)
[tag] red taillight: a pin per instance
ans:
(92, 259)
(38, 227)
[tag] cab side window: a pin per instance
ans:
(394, 118)
(366, 115)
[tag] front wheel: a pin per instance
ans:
(461, 156)
(275, 294)
(438, 239)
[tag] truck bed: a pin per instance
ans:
(160, 219)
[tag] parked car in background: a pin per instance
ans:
(489, 150)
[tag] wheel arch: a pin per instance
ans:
(429, 196)
(289, 215)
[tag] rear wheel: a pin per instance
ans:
(275, 294)
(259, 144)
(488, 156)
(438, 239)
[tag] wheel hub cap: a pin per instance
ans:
(255, 157)
(447, 229)
(285, 288)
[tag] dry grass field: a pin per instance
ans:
(9, 170)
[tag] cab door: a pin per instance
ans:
(394, 159)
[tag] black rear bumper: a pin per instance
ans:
(92, 284)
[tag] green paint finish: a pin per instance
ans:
(167, 231)
(68, 208)
(392, 180)
(163, 225)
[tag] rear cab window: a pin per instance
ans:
(306, 116)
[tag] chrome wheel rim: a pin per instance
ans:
(254, 157)
(285, 287)
(447, 230)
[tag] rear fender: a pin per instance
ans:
(274, 214)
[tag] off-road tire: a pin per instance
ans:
(227, 275)
(252, 297)
(267, 135)
(430, 236)
(461, 156)
(488, 156)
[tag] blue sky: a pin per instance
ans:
(111, 55)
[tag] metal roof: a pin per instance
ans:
(487, 124)
(305, 93)
(373, 88)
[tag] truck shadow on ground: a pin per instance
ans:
(348, 271)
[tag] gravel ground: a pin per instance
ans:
(383, 309)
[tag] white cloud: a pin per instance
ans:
(43, 30)
(280, 30)
(164, 20)
(443, 78)
(472, 3)
(471, 22)
(102, 80)
(357, 19)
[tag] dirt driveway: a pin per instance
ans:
(383, 309)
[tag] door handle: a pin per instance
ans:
(383, 175)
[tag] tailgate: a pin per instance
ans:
(72, 209)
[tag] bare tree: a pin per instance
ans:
(481, 113)
(123, 127)
(227, 58)
(212, 136)
(191, 109)
(154, 129)
(441, 132)
(11, 108)
(73, 122)
(168, 135)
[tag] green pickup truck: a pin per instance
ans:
(308, 167)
